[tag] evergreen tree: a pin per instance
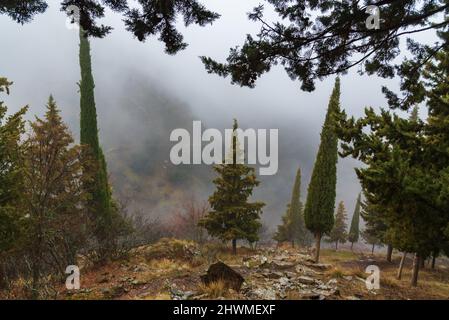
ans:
(293, 226)
(353, 235)
(320, 204)
(232, 217)
(371, 239)
(283, 230)
(11, 173)
(338, 233)
(296, 211)
(101, 201)
(405, 177)
(54, 197)
(375, 218)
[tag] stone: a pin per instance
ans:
(177, 294)
(199, 297)
(320, 266)
(222, 272)
(284, 281)
(306, 280)
(281, 265)
(273, 275)
(306, 270)
(290, 275)
(264, 294)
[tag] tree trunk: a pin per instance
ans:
(234, 246)
(293, 243)
(389, 252)
(336, 245)
(416, 263)
(434, 258)
(422, 262)
(352, 245)
(317, 246)
(372, 249)
(401, 266)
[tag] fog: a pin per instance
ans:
(142, 94)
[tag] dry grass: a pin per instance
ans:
(335, 272)
(433, 284)
(158, 296)
(214, 289)
(163, 264)
(389, 282)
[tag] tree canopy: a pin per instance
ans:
(147, 18)
(314, 39)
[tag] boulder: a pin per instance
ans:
(222, 272)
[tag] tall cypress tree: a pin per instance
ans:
(320, 204)
(101, 201)
(296, 209)
(293, 227)
(354, 231)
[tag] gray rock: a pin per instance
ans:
(284, 281)
(306, 280)
(273, 275)
(320, 266)
(264, 294)
(281, 265)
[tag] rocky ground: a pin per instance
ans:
(178, 269)
(173, 269)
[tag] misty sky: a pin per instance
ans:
(42, 58)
